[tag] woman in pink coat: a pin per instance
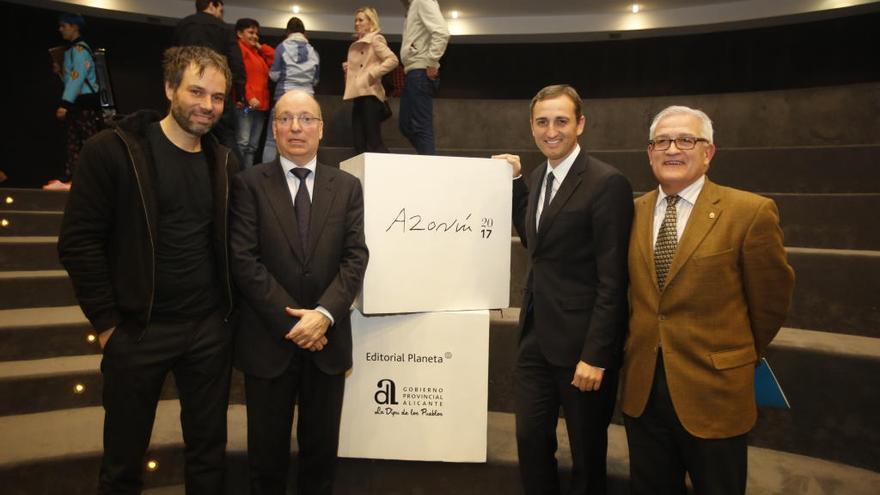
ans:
(369, 58)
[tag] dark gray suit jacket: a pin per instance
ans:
(577, 277)
(271, 270)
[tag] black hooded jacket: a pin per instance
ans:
(108, 234)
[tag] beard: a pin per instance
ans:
(183, 117)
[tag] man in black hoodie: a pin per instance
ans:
(144, 239)
(206, 28)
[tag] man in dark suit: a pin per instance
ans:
(298, 259)
(573, 214)
(709, 288)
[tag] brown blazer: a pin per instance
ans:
(728, 291)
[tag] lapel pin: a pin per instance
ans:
(712, 215)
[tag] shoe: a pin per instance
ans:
(56, 185)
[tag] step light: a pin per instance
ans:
(5, 223)
(9, 200)
(91, 338)
(79, 388)
(152, 465)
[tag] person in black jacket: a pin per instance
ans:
(144, 240)
(206, 28)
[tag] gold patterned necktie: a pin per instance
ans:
(667, 241)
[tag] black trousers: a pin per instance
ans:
(661, 451)
(366, 125)
(270, 403)
(540, 390)
(135, 365)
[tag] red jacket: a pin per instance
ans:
(256, 66)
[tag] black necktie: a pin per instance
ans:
(548, 191)
(667, 241)
(302, 205)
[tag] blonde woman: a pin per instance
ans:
(369, 58)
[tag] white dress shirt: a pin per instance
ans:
(559, 172)
(293, 186)
(683, 208)
(293, 181)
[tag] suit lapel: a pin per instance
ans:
(278, 193)
(534, 194)
(644, 231)
(703, 217)
(566, 189)
(322, 200)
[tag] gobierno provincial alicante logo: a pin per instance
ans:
(400, 397)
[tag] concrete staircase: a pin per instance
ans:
(827, 358)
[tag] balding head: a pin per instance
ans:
(298, 126)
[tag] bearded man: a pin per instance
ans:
(144, 240)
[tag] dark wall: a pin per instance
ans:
(831, 52)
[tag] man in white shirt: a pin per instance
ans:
(298, 257)
(573, 213)
(709, 288)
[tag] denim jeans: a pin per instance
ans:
(270, 148)
(417, 111)
(248, 127)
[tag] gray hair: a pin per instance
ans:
(705, 121)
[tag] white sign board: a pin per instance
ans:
(418, 389)
(438, 229)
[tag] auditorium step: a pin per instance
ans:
(35, 288)
(41, 385)
(835, 289)
(29, 253)
(31, 200)
(37, 333)
(29, 223)
(74, 440)
(796, 169)
(830, 380)
(833, 415)
(832, 221)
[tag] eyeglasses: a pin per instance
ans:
(682, 143)
(304, 120)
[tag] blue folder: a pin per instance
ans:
(768, 393)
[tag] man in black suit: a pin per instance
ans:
(573, 214)
(298, 259)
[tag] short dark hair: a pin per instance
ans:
(201, 5)
(72, 18)
(295, 25)
(555, 91)
(179, 58)
(246, 23)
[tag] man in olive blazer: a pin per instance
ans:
(700, 320)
